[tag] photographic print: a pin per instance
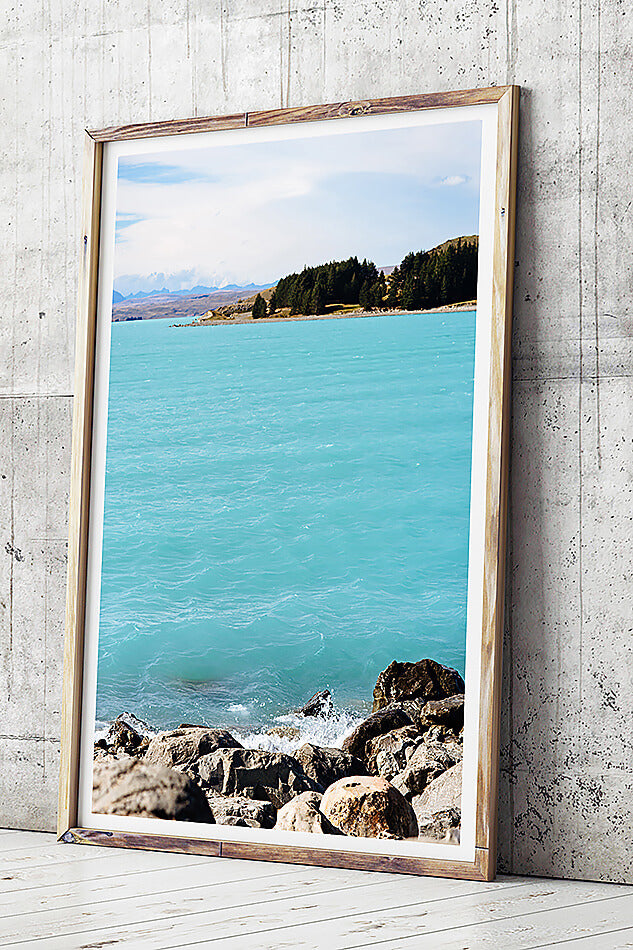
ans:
(287, 485)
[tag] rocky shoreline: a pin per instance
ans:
(397, 775)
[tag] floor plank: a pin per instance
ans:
(621, 939)
(18, 840)
(305, 890)
(74, 897)
(336, 916)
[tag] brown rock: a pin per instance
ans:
(326, 766)
(375, 725)
(241, 811)
(447, 712)
(302, 814)
(369, 807)
(253, 773)
(128, 735)
(129, 786)
(318, 705)
(182, 747)
(425, 680)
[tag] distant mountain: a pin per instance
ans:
(147, 293)
(199, 289)
(246, 286)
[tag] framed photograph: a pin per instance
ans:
(288, 500)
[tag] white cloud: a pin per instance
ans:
(452, 180)
(252, 213)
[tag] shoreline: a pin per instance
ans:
(396, 772)
(247, 318)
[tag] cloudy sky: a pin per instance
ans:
(251, 213)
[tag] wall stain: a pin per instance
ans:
(14, 552)
(224, 46)
(580, 365)
(289, 52)
(596, 226)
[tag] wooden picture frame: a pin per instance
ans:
(481, 863)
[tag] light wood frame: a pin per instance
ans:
(506, 99)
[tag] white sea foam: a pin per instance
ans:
(102, 728)
(329, 731)
(284, 733)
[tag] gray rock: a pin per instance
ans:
(453, 743)
(367, 806)
(241, 811)
(375, 725)
(253, 773)
(302, 814)
(442, 793)
(326, 766)
(183, 747)
(428, 761)
(318, 705)
(387, 754)
(425, 680)
(440, 826)
(129, 786)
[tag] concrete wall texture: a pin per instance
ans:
(566, 768)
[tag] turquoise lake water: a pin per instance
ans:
(287, 508)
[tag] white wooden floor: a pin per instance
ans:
(66, 897)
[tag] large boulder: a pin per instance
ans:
(367, 806)
(426, 680)
(326, 766)
(442, 793)
(129, 786)
(254, 773)
(302, 814)
(388, 754)
(427, 762)
(318, 705)
(241, 811)
(184, 746)
(375, 725)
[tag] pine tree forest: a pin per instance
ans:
(422, 281)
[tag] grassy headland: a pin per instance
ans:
(443, 278)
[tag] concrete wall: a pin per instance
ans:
(567, 777)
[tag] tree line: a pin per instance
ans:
(434, 278)
(427, 279)
(342, 282)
